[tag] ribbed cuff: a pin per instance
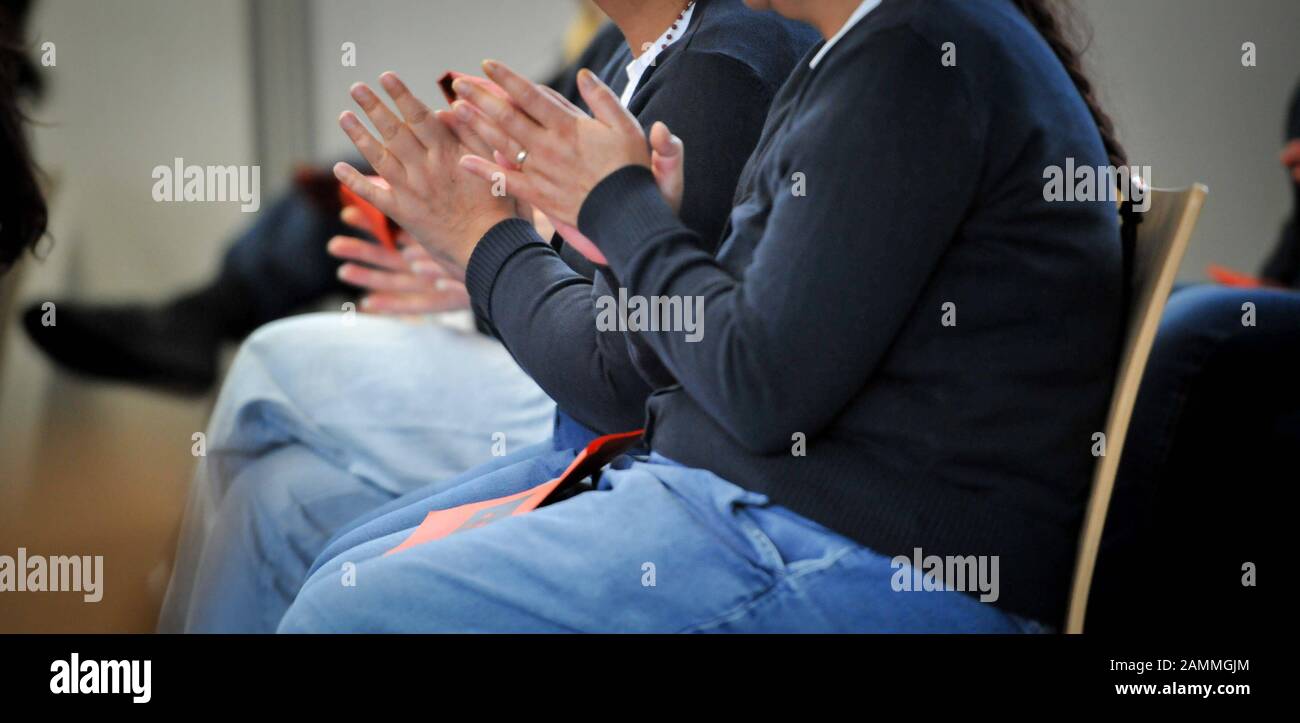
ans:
(497, 246)
(624, 210)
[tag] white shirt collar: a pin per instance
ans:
(863, 10)
(639, 65)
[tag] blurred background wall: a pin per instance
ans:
(97, 469)
(1170, 72)
(448, 36)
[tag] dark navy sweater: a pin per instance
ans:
(825, 312)
(713, 88)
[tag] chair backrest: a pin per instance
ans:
(1162, 237)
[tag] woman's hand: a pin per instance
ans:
(669, 164)
(567, 151)
(428, 194)
(407, 282)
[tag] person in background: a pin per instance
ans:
(823, 321)
(1218, 410)
(23, 214)
(277, 267)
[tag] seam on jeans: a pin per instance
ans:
(724, 540)
(266, 584)
(769, 593)
(767, 550)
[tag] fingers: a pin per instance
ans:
(668, 161)
(353, 216)
(472, 141)
(504, 162)
(517, 184)
(381, 280)
(514, 122)
(397, 136)
(361, 251)
(370, 191)
(580, 243)
(433, 302)
(540, 106)
(542, 223)
(384, 163)
(486, 129)
(565, 103)
(413, 110)
(667, 147)
(604, 104)
(426, 264)
(422, 263)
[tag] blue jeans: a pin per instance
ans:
(657, 547)
(322, 419)
(567, 437)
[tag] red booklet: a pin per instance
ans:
(442, 523)
(382, 227)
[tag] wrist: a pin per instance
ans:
(475, 229)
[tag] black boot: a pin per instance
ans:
(174, 347)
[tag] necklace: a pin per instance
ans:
(676, 23)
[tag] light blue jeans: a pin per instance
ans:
(323, 418)
(657, 547)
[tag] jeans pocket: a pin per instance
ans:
(789, 541)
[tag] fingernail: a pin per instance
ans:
(463, 111)
(361, 93)
(491, 66)
(586, 78)
(349, 123)
(463, 87)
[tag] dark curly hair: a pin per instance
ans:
(23, 213)
(1057, 22)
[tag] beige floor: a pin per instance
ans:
(89, 469)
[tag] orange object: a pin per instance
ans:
(442, 523)
(1227, 277)
(381, 226)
